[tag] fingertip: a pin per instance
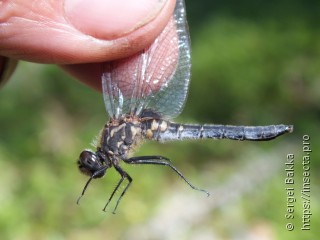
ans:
(111, 19)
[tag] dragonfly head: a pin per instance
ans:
(91, 164)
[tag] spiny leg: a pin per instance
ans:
(89, 180)
(84, 190)
(160, 160)
(123, 176)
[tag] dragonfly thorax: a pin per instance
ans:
(120, 136)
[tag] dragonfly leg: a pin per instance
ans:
(160, 160)
(123, 176)
(94, 175)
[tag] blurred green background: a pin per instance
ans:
(254, 63)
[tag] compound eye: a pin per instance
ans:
(89, 163)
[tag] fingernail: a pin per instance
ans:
(110, 19)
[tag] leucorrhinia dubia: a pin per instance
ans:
(141, 94)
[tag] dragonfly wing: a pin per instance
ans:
(156, 78)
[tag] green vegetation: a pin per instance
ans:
(254, 63)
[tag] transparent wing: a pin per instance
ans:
(157, 78)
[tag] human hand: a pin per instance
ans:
(77, 34)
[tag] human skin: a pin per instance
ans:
(80, 35)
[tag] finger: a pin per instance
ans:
(79, 31)
(164, 52)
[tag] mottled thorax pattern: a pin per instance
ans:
(119, 137)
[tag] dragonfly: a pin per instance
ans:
(142, 94)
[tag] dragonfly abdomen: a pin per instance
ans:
(176, 131)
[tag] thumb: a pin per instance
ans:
(79, 31)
